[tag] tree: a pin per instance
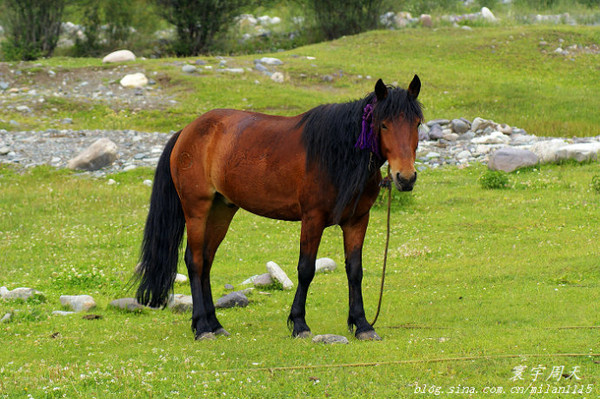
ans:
(197, 22)
(337, 18)
(32, 27)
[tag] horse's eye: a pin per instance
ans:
(383, 126)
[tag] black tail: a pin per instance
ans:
(162, 236)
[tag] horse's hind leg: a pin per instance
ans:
(196, 220)
(207, 225)
(219, 218)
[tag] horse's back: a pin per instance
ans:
(253, 160)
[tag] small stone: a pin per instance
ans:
(4, 150)
(23, 108)
(181, 278)
(436, 132)
(432, 154)
(459, 126)
(4, 85)
(6, 318)
(327, 78)
(426, 21)
(279, 275)
(18, 293)
(229, 287)
(128, 304)
(488, 15)
(261, 68)
(277, 77)
(493, 138)
(119, 56)
(180, 303)
(110, 182)
(234, 299)
(62, 313)
(263, 280)
(330, 339)
(466, 154)
(66, 121)
(101, 153)
(441, 122)
(325, 265)
(79, 303)
(271, 61)
(134, 80)
(249, 280)
(450, 136)
(187, 68)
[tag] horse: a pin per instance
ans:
(322, 168)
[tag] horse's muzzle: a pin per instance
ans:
(404, 184)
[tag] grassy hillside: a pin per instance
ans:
(503, 74)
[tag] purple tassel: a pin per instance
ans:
(367, 139)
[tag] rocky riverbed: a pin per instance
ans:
(442, 142)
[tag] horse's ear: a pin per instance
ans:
(380, 90)
(415, 87)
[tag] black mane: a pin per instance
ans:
(330, 133)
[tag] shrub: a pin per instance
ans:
(596, 183)
(32, 28)
(335, 18)
(494, 179)
(197, 22)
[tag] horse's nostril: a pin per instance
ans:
(405, 184)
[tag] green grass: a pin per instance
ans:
(497, 73)
(473, 272)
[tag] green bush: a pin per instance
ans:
(596, 183)
(494, 179)
(335, 18)
(32, 28)
(198, 22)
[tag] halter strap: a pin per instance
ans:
(367, 140)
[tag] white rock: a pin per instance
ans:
(181, 278)
(79, 303)
(488, 15)
(134, 80)
(147, 182)
(493, 138)
(279, 275)
(188, 68)
(432, 154)
(119, 56)
(62, 313)
(249, 280)
(18, 293)
(101, 153)
(579, 152)
(271, 61)
(466, 154)
(6, 318)
(277, 77)
(325, 265)
(546, 150)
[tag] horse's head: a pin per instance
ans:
(397, 115)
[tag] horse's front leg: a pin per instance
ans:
(310, 238)
(354, 237)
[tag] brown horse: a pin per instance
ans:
(321, 168)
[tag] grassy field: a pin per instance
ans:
(475, 274)
(499, 73)
(480, 282)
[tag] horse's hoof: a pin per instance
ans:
(222, 331)
(368, 336)
(206, 336)
(304, 334)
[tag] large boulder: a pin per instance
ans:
(509, 159)
(101, 153)
(579, 152)
(119, 56)
(546, 150)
